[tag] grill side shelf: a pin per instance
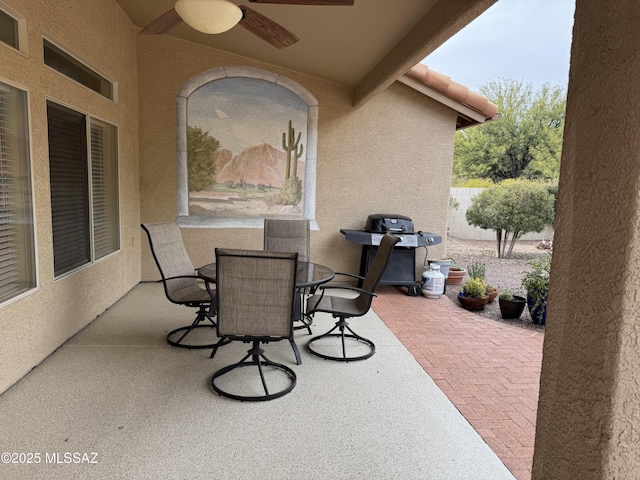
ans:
(421, 239)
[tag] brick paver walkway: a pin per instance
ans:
(489, 370)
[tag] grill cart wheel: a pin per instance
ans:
(413, 290)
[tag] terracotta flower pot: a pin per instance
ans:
(456, 274)
(510, 309)
(473, 303)
(493, 295)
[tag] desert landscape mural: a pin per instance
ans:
(246, 149)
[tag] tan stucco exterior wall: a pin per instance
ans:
(393, 155)
(98, 31)
(589, 409)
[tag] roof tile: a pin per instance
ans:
(454, 90)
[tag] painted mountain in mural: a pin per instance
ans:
(262, 164)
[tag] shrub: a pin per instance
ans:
(475, 288)
(476, 183)
(536, 282)
(512, 210)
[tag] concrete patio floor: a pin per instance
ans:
(489, 370)
(146, 410)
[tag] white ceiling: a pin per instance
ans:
(350, 45)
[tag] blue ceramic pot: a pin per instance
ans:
(539, 312)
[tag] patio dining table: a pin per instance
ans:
(309, 275)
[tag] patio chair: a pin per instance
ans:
(281, 235)
(181, 284)
(255, 296)
(343, 308)
(287, 236)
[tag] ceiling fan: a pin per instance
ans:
(217, 16)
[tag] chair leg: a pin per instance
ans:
(257, 359)
(296, 352)
(341, 326)
(202, 315)
(299, 316)
(221, 342)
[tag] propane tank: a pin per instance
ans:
(432, 282)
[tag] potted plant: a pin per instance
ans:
(536, 284)
(473, 295)
(479, 270)
(511, 306)
(476, 270)
(456, 273)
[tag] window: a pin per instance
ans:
(13, 28)
(9, 30)
(84, 188)
(104, 179)
(17, 250)
(56, 58)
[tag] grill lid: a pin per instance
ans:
(382, 223)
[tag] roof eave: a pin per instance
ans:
(467, 116)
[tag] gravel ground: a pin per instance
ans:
(501, 273)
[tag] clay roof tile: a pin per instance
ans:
(454, 90)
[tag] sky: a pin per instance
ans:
(527, 40)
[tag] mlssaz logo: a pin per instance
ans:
(71, 457)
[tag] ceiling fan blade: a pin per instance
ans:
(266, 29)
(335, 3)
(163, 23)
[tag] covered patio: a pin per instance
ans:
(587, 413)
(118, 390)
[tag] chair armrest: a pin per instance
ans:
(179, 276)
(325, 287)
(182, 276)
(347, 287)
(350, 275)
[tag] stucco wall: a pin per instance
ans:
(460, 228)
(393, 155)
(97, 30)
(589, 409)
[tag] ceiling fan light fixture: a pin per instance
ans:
(209, 16)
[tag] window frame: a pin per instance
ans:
(30, 264)
(89, 192)
(21, 25)
(79, 63)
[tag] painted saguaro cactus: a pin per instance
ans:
(294, 147)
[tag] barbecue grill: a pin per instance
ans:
(401, 269)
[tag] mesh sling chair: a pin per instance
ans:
(181, 283)
(343, 308)
(282, 235)
(255, 294)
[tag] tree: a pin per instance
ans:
(200, 149)
(525, 142)
(512, 209)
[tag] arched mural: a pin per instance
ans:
(246, 149)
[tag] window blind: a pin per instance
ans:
(9, 281)
(69, 181)
(104, 185)
(17, 262)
